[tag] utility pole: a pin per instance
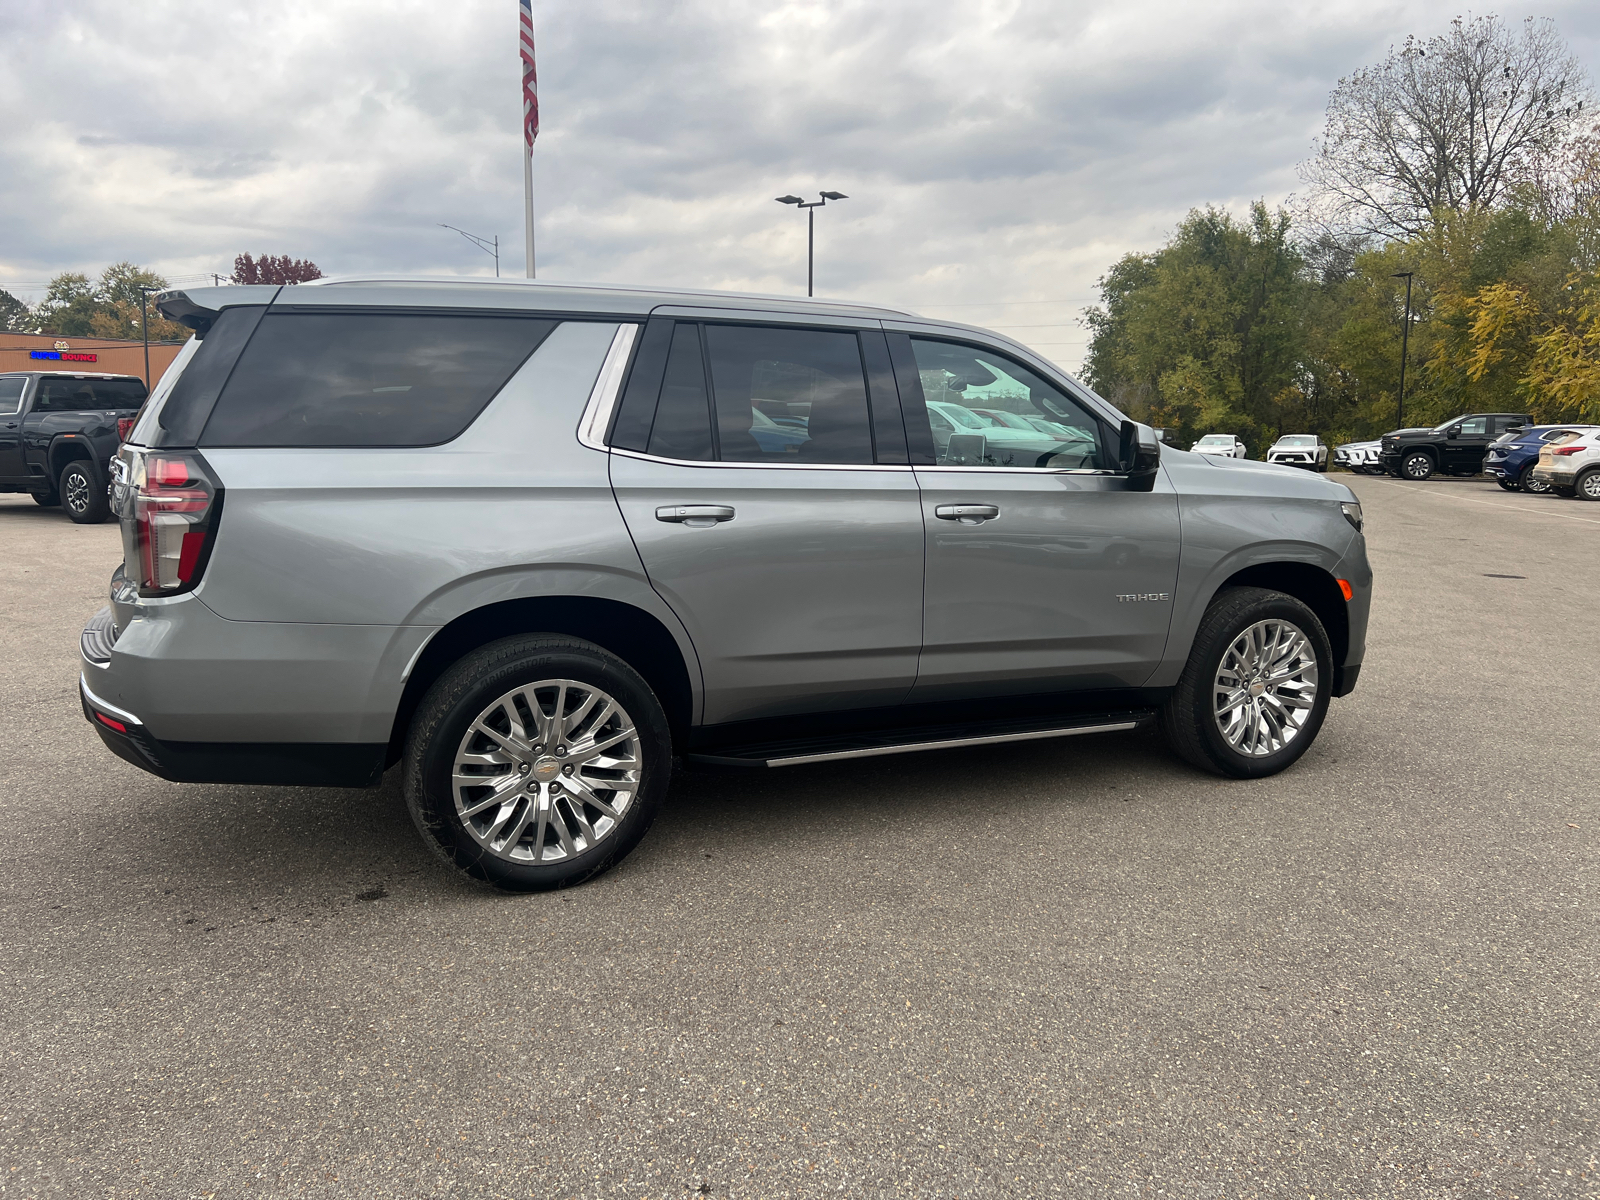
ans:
(144, 329)
(1405, 340)
(811, 227)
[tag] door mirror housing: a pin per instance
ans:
(1138, 456)
(1454, 431)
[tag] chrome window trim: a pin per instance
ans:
(768, 466)
(596, 418)
(1024, 470)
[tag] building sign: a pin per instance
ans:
(64, 355)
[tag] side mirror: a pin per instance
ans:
(1138, 455)
(1454, 431)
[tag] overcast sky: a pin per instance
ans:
(998, 154)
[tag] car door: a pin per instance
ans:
(12, 471)
(1466, 442)
(795, 564)
(1045, 572)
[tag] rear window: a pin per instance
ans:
(368, 379)
(87, 395)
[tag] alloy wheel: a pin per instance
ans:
(76, 494)
(547, 772)
(1418, 466)
(1589, 486)
(1265, 687)
(1537, 487)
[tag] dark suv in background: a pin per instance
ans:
(58, 433)
(1454, 447)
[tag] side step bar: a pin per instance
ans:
(914, 740)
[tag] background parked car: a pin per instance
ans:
(1224, 445)
(1453, 447)
(1299, 450)
(1360, 457)
(58, 433)
(1571, 465)
(1513, 458)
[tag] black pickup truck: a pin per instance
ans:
(58, 434)
(1455, 447)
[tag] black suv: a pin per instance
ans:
(58, 433)
(1456, 447)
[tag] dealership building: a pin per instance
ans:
(46, 352)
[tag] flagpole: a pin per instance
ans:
(530, 121)
(527, 186)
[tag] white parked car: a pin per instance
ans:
(1225, 445)
(1571, 465)
(1360, 457)
(1299, 450)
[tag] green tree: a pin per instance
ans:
(14, 314)
(1207, 334)
(108, 308)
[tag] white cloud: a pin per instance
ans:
(993, 151)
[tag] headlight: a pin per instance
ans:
(1352, 512)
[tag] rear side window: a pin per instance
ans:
(682, 427)
(368, 379)
(87, 395)
(11, 395)
(789, 395)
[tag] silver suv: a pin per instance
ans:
(531, 541)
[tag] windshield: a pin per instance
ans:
(1297, 439)
(1217, 439)
(961, 416)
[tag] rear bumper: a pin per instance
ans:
(306, 764)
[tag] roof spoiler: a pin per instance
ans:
(198, 311)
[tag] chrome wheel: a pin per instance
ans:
(76, 493)
(547, 772)
(1418, 466)
(1266, 687)
(1537, 487)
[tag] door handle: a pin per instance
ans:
(697, 515)
(967, 514)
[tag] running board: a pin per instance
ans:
(911, 741)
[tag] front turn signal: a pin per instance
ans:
(1349, 592)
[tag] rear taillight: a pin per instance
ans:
(125, 427)
(169, 505)
(1568, 449)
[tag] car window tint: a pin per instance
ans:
(11, 395)
(958, 379)
(87, 395)
(1473, 427)
(682, 427)
(368, 379)
(789, 395)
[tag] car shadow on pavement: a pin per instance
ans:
(325, 842)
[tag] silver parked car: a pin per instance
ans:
(529, 542)
(1570, 465)
(1360, 457)
(1299, 450)
(1226, 445)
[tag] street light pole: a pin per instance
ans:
(1405, 341)
(811, 228)
(487, 245)
(144, 329)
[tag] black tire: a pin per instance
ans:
(1587, 485)
(1189, 718)
(83, 496)
(1557, 489)
(46, 499)
(1417, 466)
(1509, 485)
(456, 701)
(1529, 484)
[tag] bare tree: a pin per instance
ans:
(1459, 121)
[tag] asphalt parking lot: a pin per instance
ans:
(1077, 968)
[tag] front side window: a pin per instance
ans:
(368, 379)
(1031, 423)
(1474, 427)
(789, 395)
(11, 394)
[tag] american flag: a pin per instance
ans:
(530, 78)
